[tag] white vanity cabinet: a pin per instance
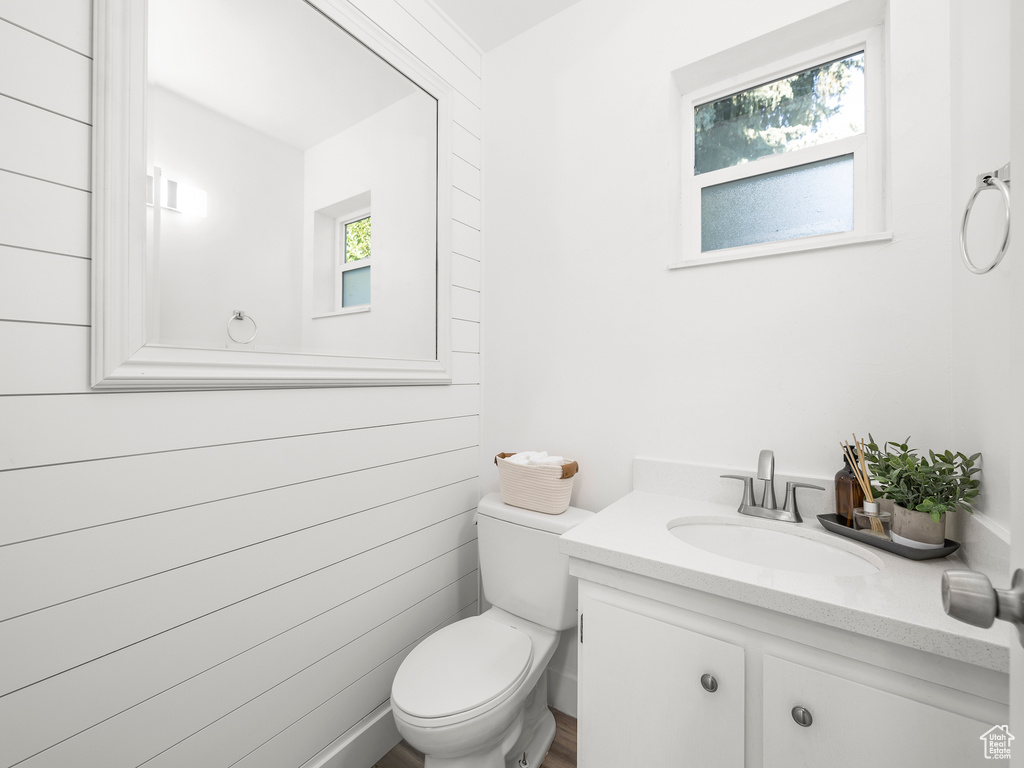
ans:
(644, 698)
(643, 652)
(853, 724)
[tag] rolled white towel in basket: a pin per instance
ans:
(535, 459)
(534, 480)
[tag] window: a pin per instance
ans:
(787, 156)
(352, 288)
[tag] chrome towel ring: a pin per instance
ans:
(998, 180)
(239, 314)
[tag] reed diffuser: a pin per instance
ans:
(870, 512)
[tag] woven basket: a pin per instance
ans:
(541, 489)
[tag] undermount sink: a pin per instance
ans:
(800, 551)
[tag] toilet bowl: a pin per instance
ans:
(474, 693)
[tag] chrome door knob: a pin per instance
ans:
(709, 683)
(969, 597)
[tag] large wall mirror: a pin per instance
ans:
(271, 194)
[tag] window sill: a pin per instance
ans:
(346, 311)
(760, 250)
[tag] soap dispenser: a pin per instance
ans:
(849, 495)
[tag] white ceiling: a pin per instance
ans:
(489, 23)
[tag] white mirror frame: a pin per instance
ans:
(121, 356)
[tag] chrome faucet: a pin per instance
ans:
(769, 507)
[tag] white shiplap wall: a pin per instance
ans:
(208, 578)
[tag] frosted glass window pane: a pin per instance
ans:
(355, 287)
(820, 104)
(812, 199)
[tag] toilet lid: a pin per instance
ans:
(461, 667)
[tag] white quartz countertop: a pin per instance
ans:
(900, 603)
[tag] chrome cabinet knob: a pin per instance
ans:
(802, 716)
(969, 597)
(709, 683)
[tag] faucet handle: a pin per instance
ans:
(766, 472)
(790, 505)
(748, 489)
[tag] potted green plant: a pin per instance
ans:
(922, 489)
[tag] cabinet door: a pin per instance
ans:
(856, 725)
(641, 702)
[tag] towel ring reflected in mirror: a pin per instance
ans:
(239, 314)
(1000, 181)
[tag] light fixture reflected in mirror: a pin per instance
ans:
(175, 196)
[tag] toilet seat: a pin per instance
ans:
(463, 669)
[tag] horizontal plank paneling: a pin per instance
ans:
(466, 209)
(466, 240)
(68, 22)
(467, 146)
(194, 655)
(50, 358)
(410, 33)
(465, 336)
(59, 568)
(34, 70)
(465, 304)
(234, 732)
(43, 287)
(72, 496)
(55, 430)
(321, 726)
(231, 574)
(465, 272)
(466, 177)
(467, 114)
(59, 638)
(82, 697)
(45, 145)
(465, 368)
(428, 15)
(43, 216)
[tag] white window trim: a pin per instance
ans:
(341, 266)
(869, 149)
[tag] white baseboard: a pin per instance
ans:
(562, 690)
(361, 745)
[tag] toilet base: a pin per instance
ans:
(538, 729)
(491, 757)
(531, 734)
(538, 746)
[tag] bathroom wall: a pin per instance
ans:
(981, 306)
(199, 578)
(595, 350)
(614, 355)
(391, 156)
(210, 266)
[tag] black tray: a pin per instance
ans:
(832, 523)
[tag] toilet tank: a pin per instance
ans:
(520, 565)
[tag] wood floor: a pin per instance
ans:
(561, 755)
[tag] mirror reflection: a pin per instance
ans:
(292, 182)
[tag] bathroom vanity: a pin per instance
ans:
(689, 656)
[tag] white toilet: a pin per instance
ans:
(474, 694)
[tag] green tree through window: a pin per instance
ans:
(357, 240)
(820, 104)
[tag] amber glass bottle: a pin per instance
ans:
(849, 495)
